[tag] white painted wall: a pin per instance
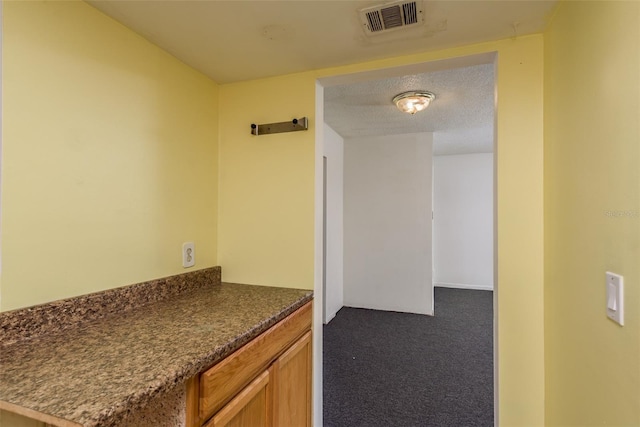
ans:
(387, 223)
(334, 152)
(463, 221)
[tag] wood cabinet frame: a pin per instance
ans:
(210, 392)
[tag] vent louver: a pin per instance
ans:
(410, 13)
(375, 23)
(391, 16)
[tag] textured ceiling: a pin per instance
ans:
(241, 40)
(461, 117)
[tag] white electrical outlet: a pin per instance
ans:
(188, 254)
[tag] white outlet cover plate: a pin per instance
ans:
(615, 297)
(188, 254)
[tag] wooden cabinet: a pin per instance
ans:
(251, 407)
(267, 382)
(292, 388)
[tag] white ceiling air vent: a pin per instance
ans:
(391, 16)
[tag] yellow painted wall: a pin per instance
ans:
(109, 156)
(592, 212)
(266, 201)
(267, 185)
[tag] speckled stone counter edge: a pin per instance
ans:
(34, 321)
(114, 416)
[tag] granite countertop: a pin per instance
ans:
(97, 372)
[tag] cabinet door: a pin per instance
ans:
(292, 389)
(251, 407)
(226, 379)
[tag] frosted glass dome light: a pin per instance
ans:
(413, 101)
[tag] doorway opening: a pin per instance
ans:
(460, 155)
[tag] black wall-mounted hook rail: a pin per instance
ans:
(290, 126)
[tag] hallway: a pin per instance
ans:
(396, 369)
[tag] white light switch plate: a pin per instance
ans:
(615, 297)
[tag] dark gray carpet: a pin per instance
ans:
(395, 369)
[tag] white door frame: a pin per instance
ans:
(318, 306)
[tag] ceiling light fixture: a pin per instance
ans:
(413, 101)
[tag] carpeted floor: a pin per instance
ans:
(395, 369)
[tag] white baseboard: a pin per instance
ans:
(330, 317)
(463, 286)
